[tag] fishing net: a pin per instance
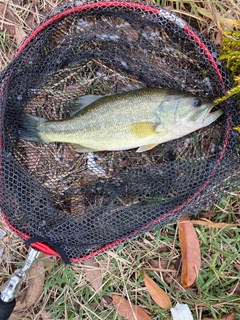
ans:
(78, 205)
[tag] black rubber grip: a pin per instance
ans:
(6, 308)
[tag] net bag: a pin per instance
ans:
(78, 205)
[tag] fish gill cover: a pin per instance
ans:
(80, 204)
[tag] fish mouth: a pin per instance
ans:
(206, 117)
(212, 116)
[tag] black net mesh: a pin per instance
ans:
(85, 203)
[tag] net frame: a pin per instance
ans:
(200, 42)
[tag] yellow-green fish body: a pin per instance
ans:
(140, 119)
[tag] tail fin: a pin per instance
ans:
(28, 127)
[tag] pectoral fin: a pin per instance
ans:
(82, 149)
(145, 148)
(159, 128)
(143, 129)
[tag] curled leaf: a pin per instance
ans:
(127, 310)
(156, 293)
(190, 249)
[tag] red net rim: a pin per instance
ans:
(45, 248)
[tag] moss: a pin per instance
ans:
(230, 53)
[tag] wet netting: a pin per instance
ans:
(78, 205)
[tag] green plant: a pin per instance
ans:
(230, 53)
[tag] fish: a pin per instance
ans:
(141, 118)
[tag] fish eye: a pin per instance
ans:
(197, 102)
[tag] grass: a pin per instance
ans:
(67, 294)
(211, 297)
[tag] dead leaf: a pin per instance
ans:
(218, 38)
(236, 266)
(168, 278)
(156, 293)
(207, 214)
(190, 250)
(32, 292)
(231, 316)
(8, 19)
(158, 263)
(93, 274)
(30, 21)
(46, 315)
(19, 34)
(127, 310)
(208, 223)
(235, 289)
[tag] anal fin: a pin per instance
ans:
(147, 147)
(81, 149)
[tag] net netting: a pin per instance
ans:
(82, 204)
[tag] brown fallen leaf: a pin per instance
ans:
(156, 293)
(93, 274)
(231, 316)
(30, 21)
(235, 289)
(207, 214)
(127, 310)
(208, 223)
(218, 38)
(236, 266)
(46, 315)
(168, 277)
(33, 291)
(158, 263)
(19, 34)
(190, 250)
(7, 19)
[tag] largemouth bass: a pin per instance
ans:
(141, 118)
